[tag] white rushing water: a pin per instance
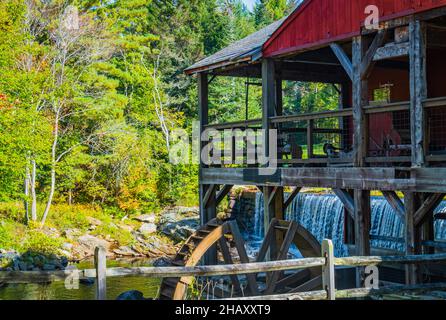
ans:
(323, 216)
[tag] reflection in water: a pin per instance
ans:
(57, 290)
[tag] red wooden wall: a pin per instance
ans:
(318, 22)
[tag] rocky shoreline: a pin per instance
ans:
(153, 236)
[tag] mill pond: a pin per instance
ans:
(321, 214)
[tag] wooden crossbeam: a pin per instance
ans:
(223, 193)
(228, 261)
(428, 206)
(368, 62)
(395, 202)
(269, 238)
(209, 193)
(347, 201)
(291, 198)
(343, 59)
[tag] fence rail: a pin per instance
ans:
(328, 263)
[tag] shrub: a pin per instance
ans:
(38, 242)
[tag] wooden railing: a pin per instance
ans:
(328, 263)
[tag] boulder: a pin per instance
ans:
(72, 233)
(146, 218)
(94, 222)
(126, 252)
(131, 295)
(148, 228)
(87, 244)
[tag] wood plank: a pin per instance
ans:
(244, 259)
(228, 261)
(395, 202)
(343, 59)
(267, 241)
(367, 62)
(347, 201)
(360, 99)
(282, 255)
(418, 90)
(410, 203)
(428, 207)
(362, 228)
(395, 50)
(328, 270)
(291, 198)
(100, 261)
(223, 193)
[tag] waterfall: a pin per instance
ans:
(323, 216)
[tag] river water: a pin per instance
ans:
(58, 291)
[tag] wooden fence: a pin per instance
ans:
(328, 262)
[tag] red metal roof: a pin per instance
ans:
(318, 22)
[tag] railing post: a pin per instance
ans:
(100, 263)
(328, 270)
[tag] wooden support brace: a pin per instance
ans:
(223, 193)
(210, 193)
(346, 200)
(291, 198)
(395, 202)
(427, 207)
(343, 59)
(367, 61)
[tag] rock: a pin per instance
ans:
(126, 252)
(125, 227)
(162, 262)
(148, 228)
(87, 281)
(88, 244)
(131, 295)
(94, 222)
(49, 267)
(146, 218)
(23, 266)
(72, 233)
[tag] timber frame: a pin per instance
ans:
(420, 175)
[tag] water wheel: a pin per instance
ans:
(224, 235)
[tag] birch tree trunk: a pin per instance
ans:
(26, 191)
(33, 192)
(53, 165)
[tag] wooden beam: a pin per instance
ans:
(395, 202)
(310, 140)
(428, 206)
(360, 99)
(223, 193)
(347, 201)
(268, 99)
(395, 50)
(210, 195)
(410, 203)
(367, 61)
(418, 91)
(291, 198)
(362, 228)
(343, 59)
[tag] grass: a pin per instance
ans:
(16, 235)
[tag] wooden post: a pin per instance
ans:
(328, 270)
(273, 206)
(418, 91)
(268, 100)
(360, 99)
(410, 205)
(203, 112)
(310, 142)
(362, 228)
(100, 262)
